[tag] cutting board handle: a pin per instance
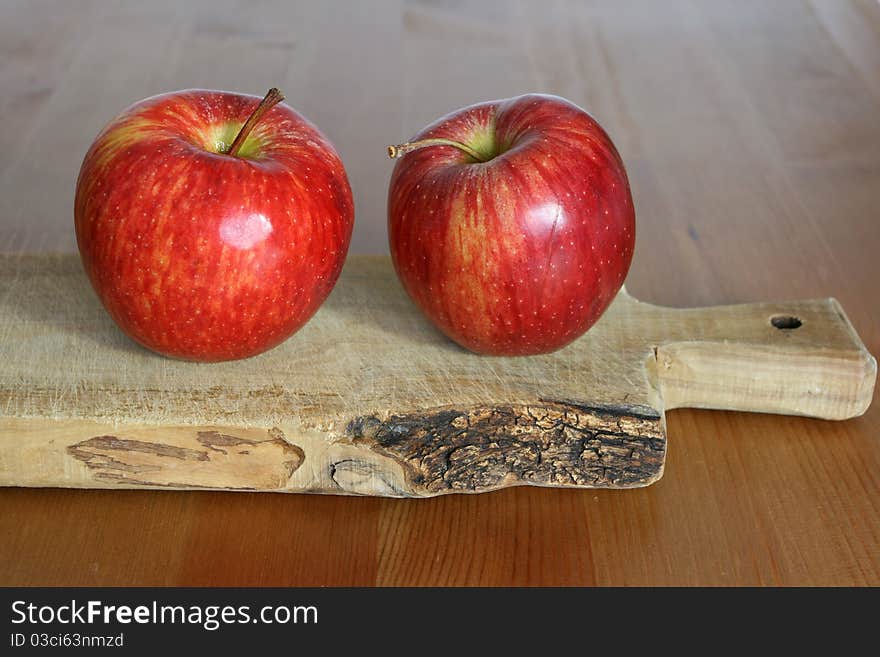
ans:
(796, 358)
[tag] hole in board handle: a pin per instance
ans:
(785, 322)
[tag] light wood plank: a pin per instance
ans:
(727, 212)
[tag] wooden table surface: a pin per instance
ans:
(751, 132)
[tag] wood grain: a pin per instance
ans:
(394, 409)
(751, 139)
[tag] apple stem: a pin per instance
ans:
(402, 149)
(272, 98)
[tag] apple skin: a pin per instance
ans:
(204, 256)
(521, 253)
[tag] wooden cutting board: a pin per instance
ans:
(370, 399)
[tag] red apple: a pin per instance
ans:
(212, 225)
(511, 223)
